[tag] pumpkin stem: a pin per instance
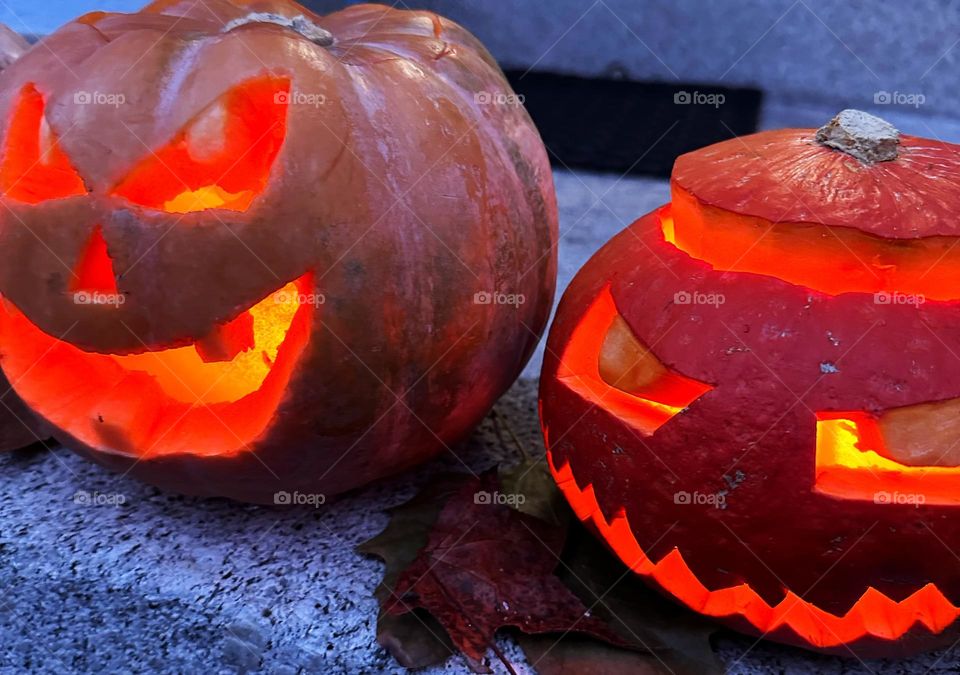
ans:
(300, 23)
(861, 135)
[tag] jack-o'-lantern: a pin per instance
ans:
(753, 393)
(247, 249)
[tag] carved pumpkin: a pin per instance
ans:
(241, 243)
(753, 393)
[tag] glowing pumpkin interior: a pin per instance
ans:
(93, 272)
(831, 260)
(34, 167)
(855, 461)
(222, 159)
(606, 364)
(211, 397)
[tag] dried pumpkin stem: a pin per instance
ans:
(301, 24)
(862, 135)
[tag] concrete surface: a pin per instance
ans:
(102, 574)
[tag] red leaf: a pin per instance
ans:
(486, 566)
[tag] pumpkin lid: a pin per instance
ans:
(857, 171)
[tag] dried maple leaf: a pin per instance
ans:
(416, 639)
(486, 566)
(667, 638)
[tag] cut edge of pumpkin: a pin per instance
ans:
(874, 614)
(649, 405)
(822, 258)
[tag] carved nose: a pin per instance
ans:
(93, 271)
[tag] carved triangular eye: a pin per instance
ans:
(34, 168)
(222, 159)
(606, 364)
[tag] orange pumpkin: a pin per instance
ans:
(256, 238)
(752, 393)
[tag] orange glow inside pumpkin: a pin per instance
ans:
(175, 400)
(648, 409)
(852, 462)
(830, 260)
(222, 159)
(34, 167)
(874, 614)
(93, 272)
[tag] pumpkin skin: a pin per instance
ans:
(375, 198)
(724, 496)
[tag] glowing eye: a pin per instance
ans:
(885, 459)
(606, 364)
(34, 168)
(222, 159)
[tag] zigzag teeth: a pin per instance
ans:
(874, 614)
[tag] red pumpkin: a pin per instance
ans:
(752, 393)
(242, 244)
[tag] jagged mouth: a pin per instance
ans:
(211, 397)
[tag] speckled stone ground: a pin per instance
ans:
(103, 574)
(168, 584)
